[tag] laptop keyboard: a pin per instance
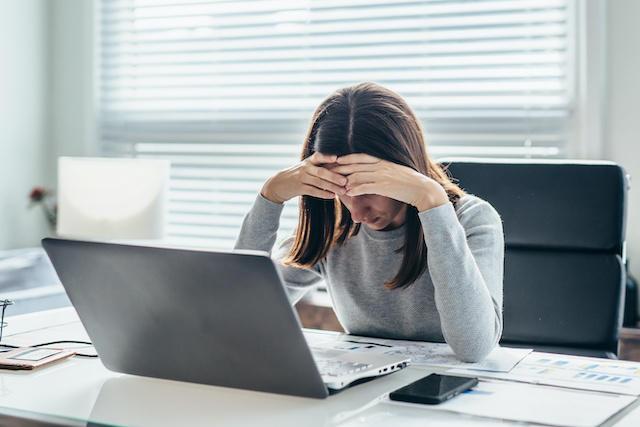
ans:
(335, 368)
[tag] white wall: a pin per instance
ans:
(623, 115)
(70, 105)
(45, 109)
(24, 124)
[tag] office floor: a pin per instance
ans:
(317, 313)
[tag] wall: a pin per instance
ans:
(24, 125)
(45, 105)
(623, 115)
(70, 105)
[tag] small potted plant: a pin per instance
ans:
(42, 196)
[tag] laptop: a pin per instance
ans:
(209, 317)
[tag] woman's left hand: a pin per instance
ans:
(369, 175)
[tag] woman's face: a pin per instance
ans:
(376, 212)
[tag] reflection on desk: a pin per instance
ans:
(167, 402)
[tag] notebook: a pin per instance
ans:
(209, 317)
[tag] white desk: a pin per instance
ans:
(84, 390)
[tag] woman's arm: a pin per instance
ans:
(311, 177)
(465, 258)
(260, 226)
(259, 232)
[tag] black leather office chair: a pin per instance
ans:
(564, 226)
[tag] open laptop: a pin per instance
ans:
(210, 317)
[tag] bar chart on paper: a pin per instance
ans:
(614, 376)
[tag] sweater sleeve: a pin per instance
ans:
(465, 257)
(260, 226)
(259, 232)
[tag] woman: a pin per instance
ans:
(404, 253)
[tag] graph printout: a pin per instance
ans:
(613, 376)
(501, 359)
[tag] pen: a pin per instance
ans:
(371, 343)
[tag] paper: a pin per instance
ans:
(31, 358)
(381, 416)
(534, 403)
(501, 359)
(349, 343)
(613, 376)
(35, 354)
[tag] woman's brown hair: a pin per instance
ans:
(365, 118)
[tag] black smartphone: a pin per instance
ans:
(434, 388)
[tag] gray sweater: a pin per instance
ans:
(457, 300)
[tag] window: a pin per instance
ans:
(226, 89)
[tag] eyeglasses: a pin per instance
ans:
(4, 303)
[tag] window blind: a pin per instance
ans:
(226, 89)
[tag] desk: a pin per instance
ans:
(78, 390)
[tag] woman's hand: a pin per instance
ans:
(369, 175)
(311, 177)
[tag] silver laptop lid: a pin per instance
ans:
(210, 317)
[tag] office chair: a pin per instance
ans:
(564, 225)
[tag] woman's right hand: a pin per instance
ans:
(311, 177)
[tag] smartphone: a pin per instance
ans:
(433, 389)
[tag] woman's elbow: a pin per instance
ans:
(476, 350)
(475, 354)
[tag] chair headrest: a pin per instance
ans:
(557, 205)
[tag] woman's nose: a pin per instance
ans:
(359, 209)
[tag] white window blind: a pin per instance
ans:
(226, 89)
